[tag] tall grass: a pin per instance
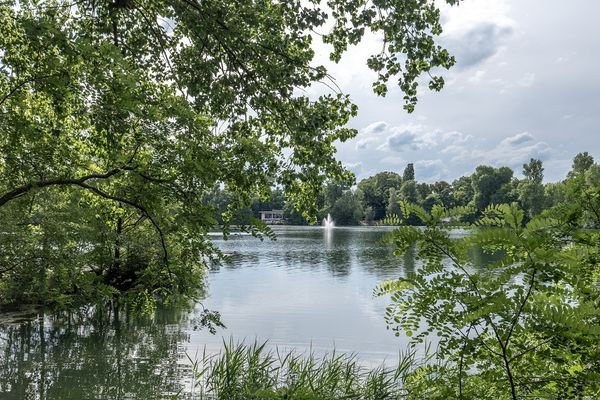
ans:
(248, 372)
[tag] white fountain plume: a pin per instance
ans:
(328, 222)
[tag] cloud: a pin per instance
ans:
(517, 139)
(363, 143)
(356, 167)
(477, 44)
(512, 152)
(375, 128)
(408, 137)
(455, 137)
(399, 141)
(430, 170)
(527, 80)
(393, 160)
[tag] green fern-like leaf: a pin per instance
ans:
(392, 286)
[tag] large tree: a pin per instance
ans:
(531, 190)
(374, 192)
(116, 118)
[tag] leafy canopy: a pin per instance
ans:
(118, 118)
(525, 324)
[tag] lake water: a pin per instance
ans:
(310, 290)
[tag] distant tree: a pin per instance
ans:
(534, 171)
(554, 194)
(424, 189)
(273, 200)
(393, 207)
(347, 209)
(581, 163)
(409, 173)
(332, 192)
(444, 190)
(531, 190)
(374, 191)
(293, 216)
(409, 193)
(462, 191)
(492, 186)
(369, 215)
(431, 200)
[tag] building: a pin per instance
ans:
(272, 216)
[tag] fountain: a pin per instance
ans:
(328, 222)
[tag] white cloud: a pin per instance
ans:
(476, 45)
(363, 143)
(430, 170)
(512, 151)
(522, 89)
(357, 167)
(375, 128)
(527, 80)
(402, 140)
(517, 139)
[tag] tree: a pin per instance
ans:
(431, 200)
(409, 173)
(523, 327)
(332, 192)
(492, 186)
(534, 171)
(462, 191)
(347, 209)
(581, 163)
(129, 112)
(445, 192)
(374, 191)
(531, 190)
(393, 207)
(409, 193)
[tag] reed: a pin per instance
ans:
(252, 372)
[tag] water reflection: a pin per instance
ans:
(97, 353)
(308, 290)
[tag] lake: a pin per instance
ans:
(310, 290)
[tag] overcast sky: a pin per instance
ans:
(526, 84)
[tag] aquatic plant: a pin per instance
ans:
(243, 371)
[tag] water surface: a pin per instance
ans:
(310, 290)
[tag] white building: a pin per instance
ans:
(272, 216)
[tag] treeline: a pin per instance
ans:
(379, 195)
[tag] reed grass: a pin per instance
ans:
(252, 372)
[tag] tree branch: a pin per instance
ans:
(25, 82)
(20, 191)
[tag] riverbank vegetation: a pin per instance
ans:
(130, 129)
(244, 372)
(118, 118)
(377, 196)
(525, 326)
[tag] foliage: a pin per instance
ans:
(409, 173)
(524, 326)
(374, 191)
(491, 186)
(534, 171)
(249, 372)
(347, 209)
(531, 190)
(117, 118)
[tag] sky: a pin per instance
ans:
(526, 85)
